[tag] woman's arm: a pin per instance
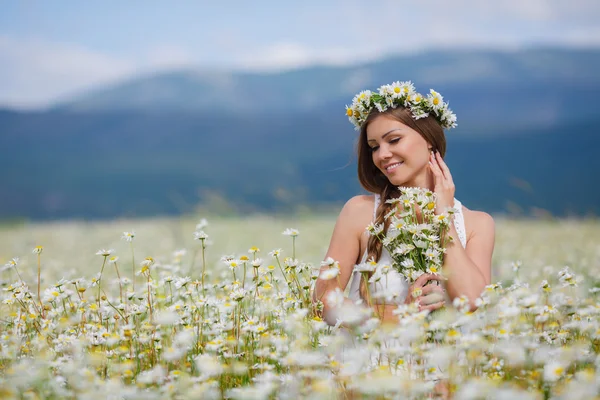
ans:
(469, 269)
(344, 248)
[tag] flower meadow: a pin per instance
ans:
(223, 309)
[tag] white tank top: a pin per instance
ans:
(394, 285)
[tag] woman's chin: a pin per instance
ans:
(406, 179)
(397, 180)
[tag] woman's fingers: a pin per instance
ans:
(420, 285)
(423, 279)
(431, 298)
(438, 176)
(432, 307)
(442, 166)
(432, 289)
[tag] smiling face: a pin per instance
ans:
(395, 137)
(398, 151)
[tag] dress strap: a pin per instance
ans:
(459, 223)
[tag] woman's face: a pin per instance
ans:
(398, 151)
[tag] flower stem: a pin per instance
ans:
(120, 284)
(132, 267)
(39, 265)
(203, 265)
(100, 280)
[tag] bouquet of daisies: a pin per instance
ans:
(416, 237)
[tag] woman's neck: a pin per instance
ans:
(424, 180)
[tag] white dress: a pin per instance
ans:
(395, 282)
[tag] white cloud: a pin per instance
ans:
(290, 55)
(34, 72)
(167, 56)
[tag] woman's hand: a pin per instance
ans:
(443, 185)
(428, 296)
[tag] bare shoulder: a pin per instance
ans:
(358, 211)
(478, 222)
(360, 203)
(345, 245)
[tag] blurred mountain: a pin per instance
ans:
(526, 140)
(529, 87)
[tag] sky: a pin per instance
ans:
(50, 50)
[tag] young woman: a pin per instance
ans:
(402, 143)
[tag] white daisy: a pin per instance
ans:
(128, 236)
(291, 232)
(365, 267)
(407, 88)
(329, 274)
(553, 371)
(396, 90)
(435, 100)
(200, 235)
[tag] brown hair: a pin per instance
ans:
(373, 180)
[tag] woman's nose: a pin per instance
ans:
(384, 152)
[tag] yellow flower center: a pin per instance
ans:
(436, 101)
(396, 90)
(349, 112)
(430, 205)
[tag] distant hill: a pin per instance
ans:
(530, 87)
(526, 140)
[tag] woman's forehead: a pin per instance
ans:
(381, 127)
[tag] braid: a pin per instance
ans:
(374, 245)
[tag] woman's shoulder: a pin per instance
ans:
(361, 202)
(478, 221)
(358, 210)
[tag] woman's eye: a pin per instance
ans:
(394, 140)
(374, 148)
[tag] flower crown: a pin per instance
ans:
(400, 94)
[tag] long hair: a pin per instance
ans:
(374, 181)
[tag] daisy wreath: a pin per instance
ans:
(400, 94)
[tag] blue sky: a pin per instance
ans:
(51, 50)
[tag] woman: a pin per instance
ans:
(402, 143)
